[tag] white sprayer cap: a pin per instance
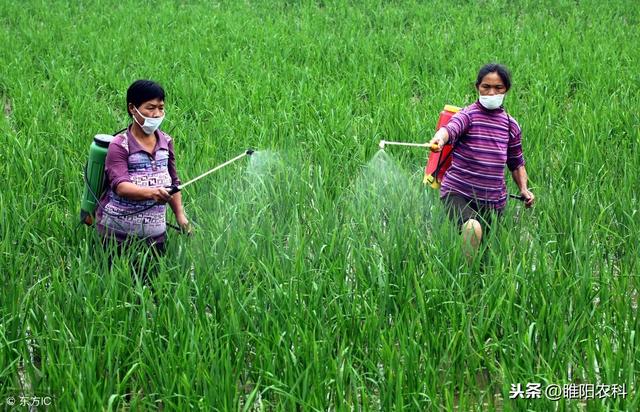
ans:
(103, 140)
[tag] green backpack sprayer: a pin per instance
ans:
(94, 178)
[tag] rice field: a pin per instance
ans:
(322, 274)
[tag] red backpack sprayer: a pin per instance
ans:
(94, 178)
(438, 162)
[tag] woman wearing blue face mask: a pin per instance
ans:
(140, 164)
(485, 139)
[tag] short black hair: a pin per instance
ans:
(502, 71)
(142, 91)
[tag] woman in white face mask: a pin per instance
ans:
(485, 140)
(139, 166)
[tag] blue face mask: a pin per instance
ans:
(151, 124)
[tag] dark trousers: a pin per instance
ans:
(460, 209)
(143, 255)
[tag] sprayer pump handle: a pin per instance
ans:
(173, 189)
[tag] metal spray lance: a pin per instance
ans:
(175, 189)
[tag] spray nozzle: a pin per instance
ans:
(382, 143)
(249, 152)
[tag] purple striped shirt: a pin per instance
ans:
(484, 142)
(127, 161)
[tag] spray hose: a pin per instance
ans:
(441, 163)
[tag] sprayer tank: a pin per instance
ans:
(439, 162)
(94, 176)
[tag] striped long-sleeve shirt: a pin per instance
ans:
(484, 142)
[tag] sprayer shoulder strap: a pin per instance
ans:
(125, 138)
(443, 160)
(166, 136)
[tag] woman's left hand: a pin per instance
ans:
(183, 222)
(529, 198)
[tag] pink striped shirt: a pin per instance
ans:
(127, 161)
(484, 142)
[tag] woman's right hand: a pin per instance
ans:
(436, 144)
(439, 140)
(159, 194)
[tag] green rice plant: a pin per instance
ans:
(321, 274)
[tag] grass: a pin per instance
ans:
(322, 274)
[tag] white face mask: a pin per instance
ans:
(492, 102)
(151, 124)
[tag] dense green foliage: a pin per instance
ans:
(322, 274)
